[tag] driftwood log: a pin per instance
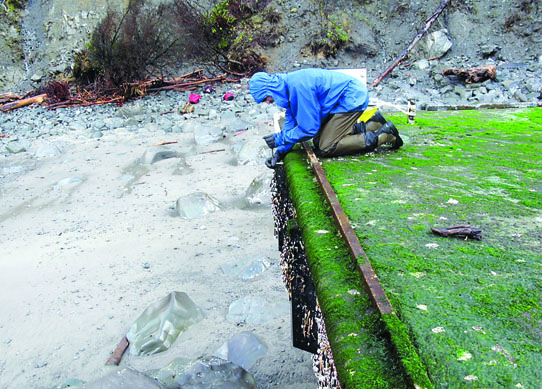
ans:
(24, 102)
(479, 74)
(9, 97)
(119, 95)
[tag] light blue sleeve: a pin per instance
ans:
(305, 127)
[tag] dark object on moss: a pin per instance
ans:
(462, 231)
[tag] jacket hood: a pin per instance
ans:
(262, 84)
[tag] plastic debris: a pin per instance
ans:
(194, 99)
(259, 192)
(243, 349)
(213, 372)
(161, 323)
(208, 89)
(229, 96)
(169, 373)
(196, 205)
(256, 310)
(123, 378)
(246, 269)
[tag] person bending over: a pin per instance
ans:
(324, 105)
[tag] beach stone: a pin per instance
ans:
(437, 44)
(243, 349)
(228, 116)
(123, 378)
(206, 134)
(196, 205)
(71, 383)
(77, 126)
(68, 183)
(37, 77)
(213, 114)
(246, 268)
(422, 64)
(130, 110)
(237, 125)
(252, 152)
(253, 270)
(256, 310)
(96, 134)
(213, 372)
(17, 147)
(161, 323)
(183, 167)
(49, 149)
(157, 153)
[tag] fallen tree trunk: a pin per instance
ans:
(24, 102)
(419, 36)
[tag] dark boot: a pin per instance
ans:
(375, 122)
(371, 138)
(371, 142)
(388, 134)
(359, 128)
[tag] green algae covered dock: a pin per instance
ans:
(467, 313)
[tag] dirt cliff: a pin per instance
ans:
(40, 43)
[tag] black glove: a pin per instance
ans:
(272, 162)
(270, 140)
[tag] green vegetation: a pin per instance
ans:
(130, 46)
(333, 35)
(471, 308)
(14, 5)
(10, 11)
(10, 25)
(363, 355)
(148, 39)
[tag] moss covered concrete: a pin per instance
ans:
(363, 355)
(472, 308)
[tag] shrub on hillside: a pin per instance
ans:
(128, 47)
(148, 40)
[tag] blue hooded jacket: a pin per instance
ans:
(308, 95)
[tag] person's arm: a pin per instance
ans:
(289, 125)
(303, 126)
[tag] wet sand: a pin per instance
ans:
(90, 238)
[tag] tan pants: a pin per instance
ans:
(336, 135)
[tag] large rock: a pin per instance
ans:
(437, 44)
(157, 153)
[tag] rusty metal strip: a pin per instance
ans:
(118, 353)
(363, 266)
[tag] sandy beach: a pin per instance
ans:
(92, 233)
